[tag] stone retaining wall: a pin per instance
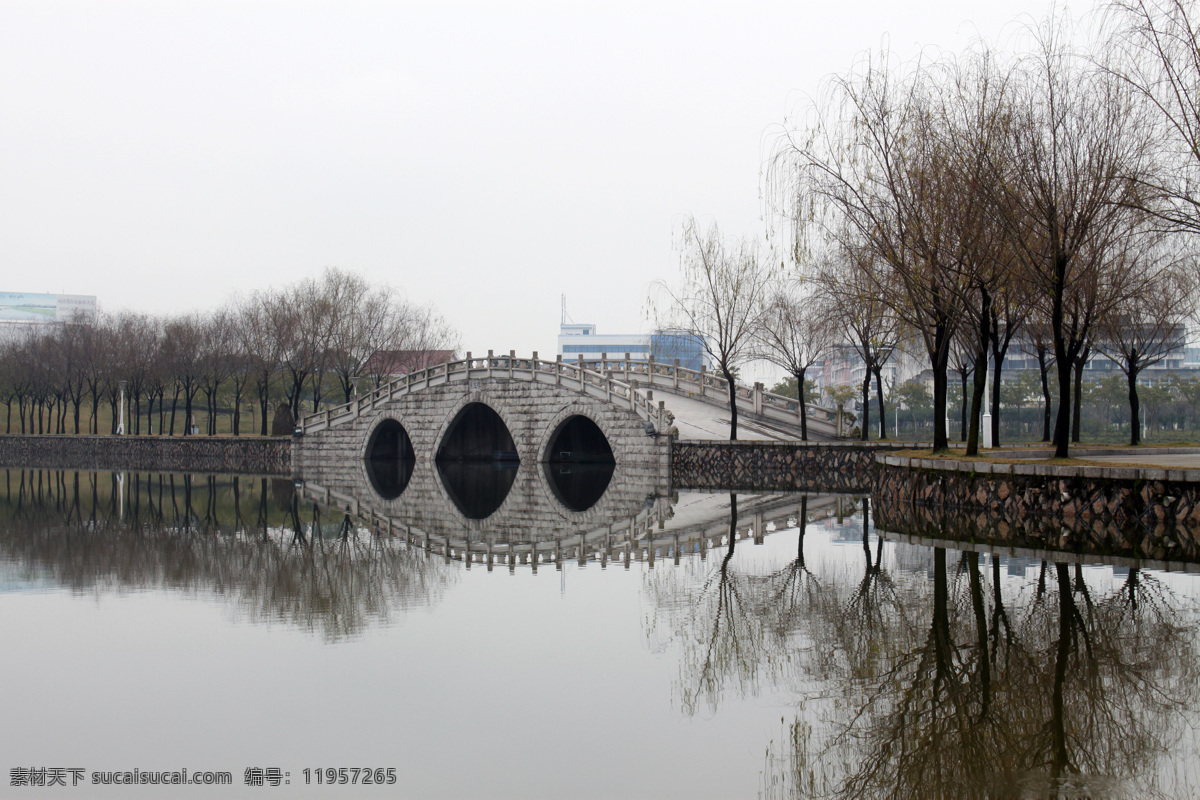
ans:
(259, 456)
(775, 466)
(1153, 513)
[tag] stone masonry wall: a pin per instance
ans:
(779, 466)
(1148, 513)
(259, 456)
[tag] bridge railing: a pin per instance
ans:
(572, 375)
(710, 387)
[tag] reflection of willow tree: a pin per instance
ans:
(733, 627)
(1053, 693)
(244, 539)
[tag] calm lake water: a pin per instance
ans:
(158, 622)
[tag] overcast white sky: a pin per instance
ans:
(485, 157)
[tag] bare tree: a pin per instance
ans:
(1145, 327)
(796, 334)
(871, 161)
(216, 362)
(722, 300)
(857, 306)
(182, 351)
(1067, 176)
(1156, 54)
(257, 332)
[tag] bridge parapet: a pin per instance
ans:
(704, 385)
(571, 376)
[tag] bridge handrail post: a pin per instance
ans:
(512, 356)
(558, 368)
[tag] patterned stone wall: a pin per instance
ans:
(1131, 512)
(775, 466)
(259, 456)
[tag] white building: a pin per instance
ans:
(575, 340)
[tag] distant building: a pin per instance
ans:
(683, 346)
(581, 341)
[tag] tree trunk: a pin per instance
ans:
(879, 396)
(1041, 354)
(980, 383)
(978, 389)
(1062, 422)
(865, 424)
(187, 411)
(939, 360)
(733, 412)
(799, 376)
(1080, 363)
(263, 402)
(174, 405)
(1135, 430)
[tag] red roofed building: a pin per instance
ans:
(398, 363)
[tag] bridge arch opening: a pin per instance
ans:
(478, 434)
(477, 461)
(579, 463)
(579, 440)
(389, 459)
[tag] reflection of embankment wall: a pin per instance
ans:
(778, 466)
(1151, 513)
(260, 456)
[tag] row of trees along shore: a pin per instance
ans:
(1044, 194)
(295, 346)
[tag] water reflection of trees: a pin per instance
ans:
(951, 682)
(246, 539)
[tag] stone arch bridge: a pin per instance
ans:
(502, 407)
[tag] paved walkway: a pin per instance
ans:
(699, 420)
(1171, 460)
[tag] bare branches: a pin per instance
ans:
(722, 300)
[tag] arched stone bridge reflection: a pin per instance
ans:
(631, 522)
